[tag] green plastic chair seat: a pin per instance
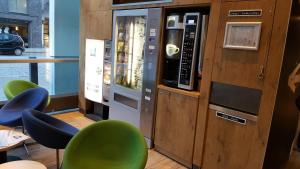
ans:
(16, 87)
(107, 145)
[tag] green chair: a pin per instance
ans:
(15, 87)
(107, 144)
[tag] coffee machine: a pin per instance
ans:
(183, 54)
(174, 31)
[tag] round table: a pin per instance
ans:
(22, 164)
(10, 139)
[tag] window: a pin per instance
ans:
(58, 74)
(18, 6)
(4, 37)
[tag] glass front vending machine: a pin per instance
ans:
(136, 37)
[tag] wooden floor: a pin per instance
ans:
(47, 156)
(155, 160)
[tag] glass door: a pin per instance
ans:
(107, 63)
(130, 39)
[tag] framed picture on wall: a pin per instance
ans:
(242, 35)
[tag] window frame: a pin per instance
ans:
(16, 8)
(58, 102)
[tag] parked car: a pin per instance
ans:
(10, 43)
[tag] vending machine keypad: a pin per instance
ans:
(188, 56)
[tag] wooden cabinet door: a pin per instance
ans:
(175, 126)
(229, 145)
(243, 67)
(99, 25)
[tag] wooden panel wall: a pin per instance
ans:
(206, 81)
(273, 71)
(95, 23)
(225, 147)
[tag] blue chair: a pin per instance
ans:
(48, 131)
(11, 112)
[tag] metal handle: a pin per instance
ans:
(234, 113)
(261, 74)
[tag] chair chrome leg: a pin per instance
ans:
(24, 144)
(26, 149)
(57, 159)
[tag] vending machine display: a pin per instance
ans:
(130, 42)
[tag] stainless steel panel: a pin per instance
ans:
(124, 113)
(231, 118)
(126, 101)
(150, 72)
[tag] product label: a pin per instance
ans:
(255, 12)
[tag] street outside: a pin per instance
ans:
(30, 20)
(13, 71)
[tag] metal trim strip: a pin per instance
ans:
(234, 113)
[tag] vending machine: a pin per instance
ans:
(97, 77)
(135, 49)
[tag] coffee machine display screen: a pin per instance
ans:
(191, 22)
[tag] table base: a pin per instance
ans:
(4, 158)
